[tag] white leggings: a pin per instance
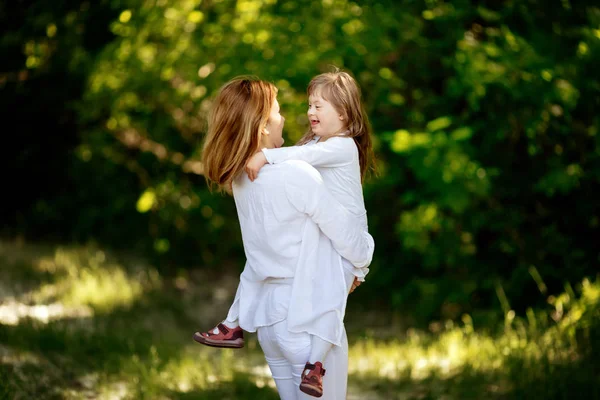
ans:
(287, 353)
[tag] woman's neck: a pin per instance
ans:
(265, 142)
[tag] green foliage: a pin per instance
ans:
(485, 120)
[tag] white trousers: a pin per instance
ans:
(287, 353)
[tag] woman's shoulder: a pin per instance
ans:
(299, 173)
(289, 169)
(297, 167)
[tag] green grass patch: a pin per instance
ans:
(78, 322)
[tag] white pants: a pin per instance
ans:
(287, 353)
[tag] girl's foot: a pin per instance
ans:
(312, 379)
(222, 336)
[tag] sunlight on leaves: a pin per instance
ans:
(125, 16)
(439, 124)
(146, 201)
(403, 141)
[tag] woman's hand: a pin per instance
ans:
(255, 163)
(355, 284)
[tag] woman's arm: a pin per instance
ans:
(306, 191)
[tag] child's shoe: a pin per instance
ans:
(312, 379)
(232, 338)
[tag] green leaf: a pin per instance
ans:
(146, 201)
(462, 133)
(488, 14)
(439, 124)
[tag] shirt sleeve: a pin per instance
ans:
(307, 193)
(334, 152)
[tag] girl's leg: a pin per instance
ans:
(232, 336)
(227, 334)
(320, 349)
(233, 314)
(333, 358)
(231, 324)
(335, 381)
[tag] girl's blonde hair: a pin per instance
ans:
(341, 90)
(239, 113)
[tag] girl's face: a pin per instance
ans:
(325, 120)
(274, 127)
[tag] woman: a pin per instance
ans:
(286, 217)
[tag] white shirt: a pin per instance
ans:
(337, 161)
(293, 227)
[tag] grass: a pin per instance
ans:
(82, 322)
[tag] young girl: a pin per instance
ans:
(338, 144)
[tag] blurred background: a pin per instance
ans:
(484, 282)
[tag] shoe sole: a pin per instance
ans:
(229, 344)
(310, 390)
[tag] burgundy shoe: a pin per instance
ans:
(312, 379)
(232, 338)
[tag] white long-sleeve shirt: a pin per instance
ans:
(290, 222)
(337, 161)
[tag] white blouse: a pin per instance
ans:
(337, 161)
(293, 227)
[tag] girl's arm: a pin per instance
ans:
(334, 152)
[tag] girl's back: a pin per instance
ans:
(343, 177)
(337, 160)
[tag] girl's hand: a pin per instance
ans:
(255, 163)
(355, 284)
